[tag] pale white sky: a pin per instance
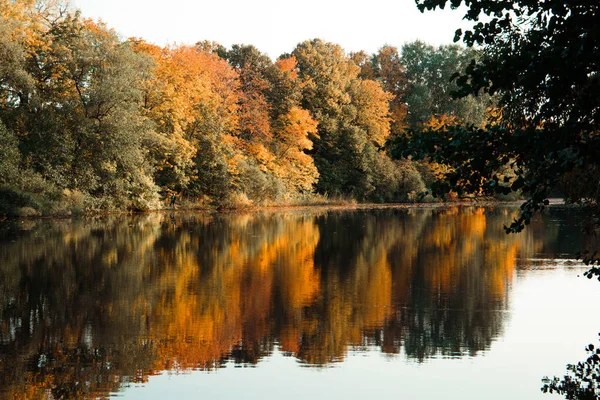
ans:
(275, 27)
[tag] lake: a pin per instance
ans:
(410, 303)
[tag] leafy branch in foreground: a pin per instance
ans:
(592, 261)
(582, 379)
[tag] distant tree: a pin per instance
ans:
(386, 68)
(193, 97)
(294, 166)
(273, 129)
(15, 81)
(253, 68)
(365, 62)
(285, 90)
(429, 75)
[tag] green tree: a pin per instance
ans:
(352, 114)
(80, 125)
(391, 72)
(429, 72)
(15, 81)
(10, 157)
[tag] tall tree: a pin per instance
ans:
(271, 94)
(294, 128)
(192, 99)
(352, 116)
(391, 72)
(365, 62)
(294, 166)
(253, 68)
(77, 111)
(15, 81)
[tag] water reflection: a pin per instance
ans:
(87, 306)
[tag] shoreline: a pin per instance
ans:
(276, 208)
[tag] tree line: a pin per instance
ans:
(92, 122)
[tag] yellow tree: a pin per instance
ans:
(294, 166)
(192, 98)
(371, 104)
(353, 120)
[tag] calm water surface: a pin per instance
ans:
(405, 303)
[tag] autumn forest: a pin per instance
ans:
(93, 122)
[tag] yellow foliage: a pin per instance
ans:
(372, 105)
(295, 167)
(441, 122)
(288, 65)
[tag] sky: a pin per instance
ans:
(275, 26)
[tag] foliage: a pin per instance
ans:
(581, 381)
(189, 98)
(353, 118)
(79, 119)
(252, 67)
(98, 123)
(213, 177)
(538, 57)
(10, 156)
(296, 168)
(429, 73)
(387, 68)
(14, 79)
(427, 100)
(412, 186)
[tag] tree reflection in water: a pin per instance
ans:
(88, 306)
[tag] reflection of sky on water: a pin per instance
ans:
(546, 329)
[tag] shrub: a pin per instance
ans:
(71, 202)
(11, 201)
(411, 186)
(28, 212)
(235, 201)
(261, 187)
